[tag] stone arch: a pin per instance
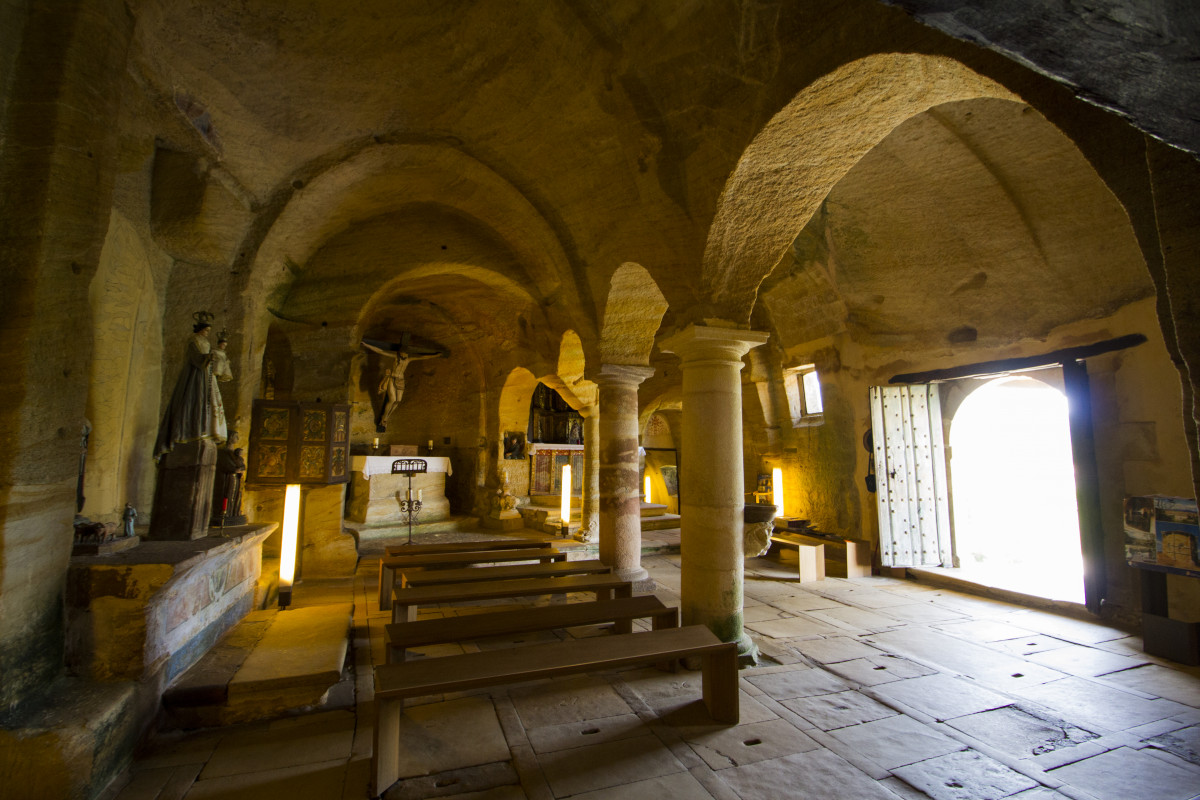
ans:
(124, 377)
(512, 414)
(800, 155)
(632, 314)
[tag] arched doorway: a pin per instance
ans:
(1016, 523)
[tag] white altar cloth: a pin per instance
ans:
(382, 465)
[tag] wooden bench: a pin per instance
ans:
(511, 572)
(395, 683)
(844, 557)
(463, 547)
(388, 565)
(621, 612)
(811, 557)
(407, 600)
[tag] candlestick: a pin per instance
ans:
(376, 442)
(420, 492)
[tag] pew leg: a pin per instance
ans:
(720, 679)
(385, 758)
(387, 577)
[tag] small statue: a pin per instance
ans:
(129, 515)
(227, 494)
(196, 410)
(501, 499)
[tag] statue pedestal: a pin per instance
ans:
(184, 491)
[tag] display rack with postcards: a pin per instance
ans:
(1163, 534)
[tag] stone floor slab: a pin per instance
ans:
(792, 628)
(602, 766)
(1096, 707)
(1018, 733)
(882, 668)
(551, 738)
(1173, 684)
(964, 775)
(943, 696)
(896, 741)
(313, 781)
(259, 748)
(798, 683)
(855, 620)
(798, 603)
(1073, 630)
(1184, 743)
(922, 612)
(982, 663)
(565, 700)
(749, 744)
(831, 711)
(985, 630)
(833, 649)
(1024, 646)
(814, 775)
(1084, 661)
(1123, 774)
(434, 742)
(679, 786)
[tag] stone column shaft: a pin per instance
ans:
(620, 495)
(712, 478)
(589, 523)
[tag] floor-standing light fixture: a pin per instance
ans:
(287, 555)
(646, 487)
(777, 490)
(565, 509)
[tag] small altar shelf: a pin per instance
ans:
(161, 605)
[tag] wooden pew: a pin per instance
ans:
(845, 557)
(811, 557)
(511, 572)
(394, 683)
(463, 547)
(407, 600)
(388, 565)
(621, 612)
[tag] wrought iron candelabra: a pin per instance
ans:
(410, 507)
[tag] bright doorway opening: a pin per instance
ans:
(1016, 523)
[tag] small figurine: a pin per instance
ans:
(129, 515)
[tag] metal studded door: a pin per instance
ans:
(910, 464)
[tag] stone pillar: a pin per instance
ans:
(589, 522)
(620, 495)
(712, 479)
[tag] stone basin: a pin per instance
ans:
(759, 512)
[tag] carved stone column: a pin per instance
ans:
(712, 478)
(589, 523)
(620, 494)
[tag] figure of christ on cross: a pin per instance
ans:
(391, 388)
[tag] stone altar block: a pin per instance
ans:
(374, 490)
(159, 606)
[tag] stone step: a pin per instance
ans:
(375, 536)
(271, 663)
(660, 522)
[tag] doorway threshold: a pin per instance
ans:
(978, 584)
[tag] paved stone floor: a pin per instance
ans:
(870, 688)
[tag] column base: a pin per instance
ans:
(747, 651)
(641, 580)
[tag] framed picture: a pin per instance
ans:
(514, 445)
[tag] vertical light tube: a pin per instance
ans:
(646, 484)
(565, 509)
(777, 490)
(287, 555)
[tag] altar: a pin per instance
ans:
(375, 493)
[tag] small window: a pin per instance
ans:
(803, 386)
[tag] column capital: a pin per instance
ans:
(622, 374)
(705, 342)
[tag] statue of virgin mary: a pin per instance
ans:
(196, 410)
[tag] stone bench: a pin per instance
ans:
(388, 565)
(511, 572)
(845, 557)
(406, 600)
(462, 547)
(394, 683)
(621, 612)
